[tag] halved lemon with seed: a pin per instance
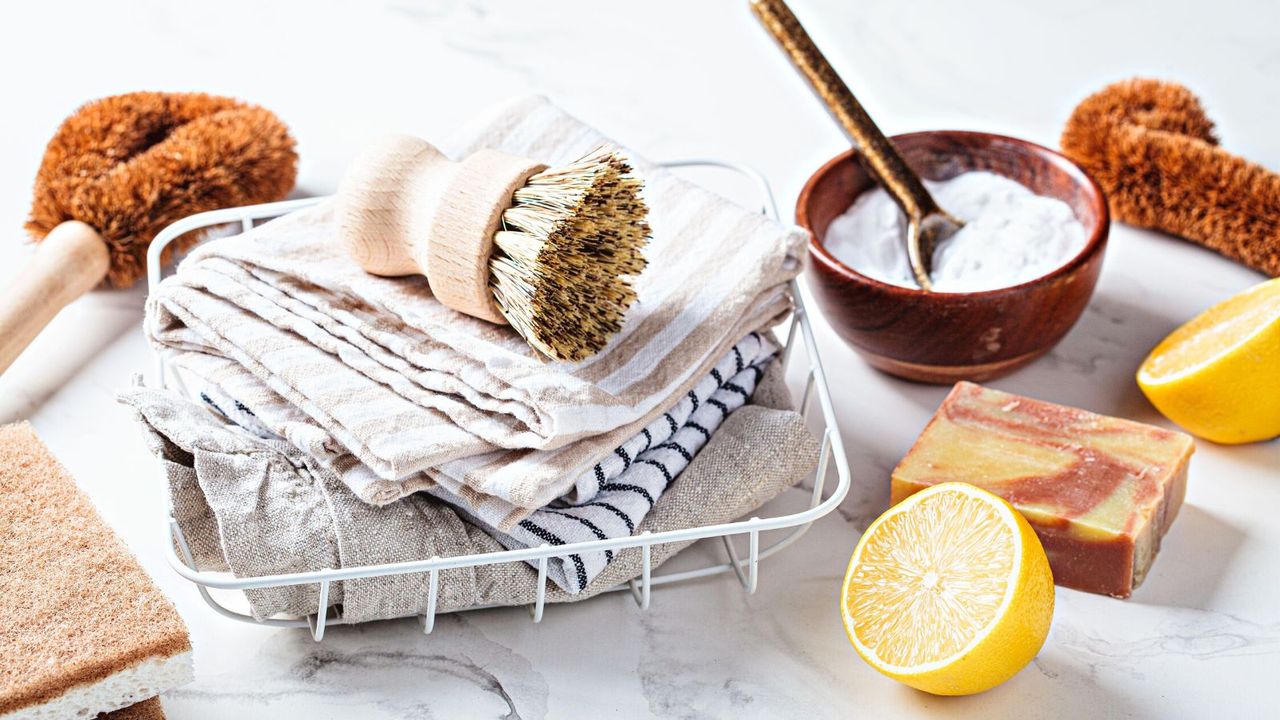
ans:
(1218, 376)
(949, 591)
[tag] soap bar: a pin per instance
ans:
(1100, 491)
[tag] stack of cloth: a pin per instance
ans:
(344, 419)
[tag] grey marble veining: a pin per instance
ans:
(369, 667)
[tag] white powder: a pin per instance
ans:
(1010, 236)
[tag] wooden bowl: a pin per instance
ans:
(946, 337)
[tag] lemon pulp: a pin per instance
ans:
(1215, 376)
(949, 591)
(917, 600)
(1214, 333)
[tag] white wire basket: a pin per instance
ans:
(823, 498)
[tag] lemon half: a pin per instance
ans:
(1218, 376)
(948, 591)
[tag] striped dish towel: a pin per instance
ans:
(396, 393)
(752, 351)
(614, 507)
(614, 496)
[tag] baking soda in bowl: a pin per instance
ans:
(1010, 236)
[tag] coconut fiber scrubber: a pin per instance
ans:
(117, 172)
(1152, 148)
(83, 629)
(549, 251)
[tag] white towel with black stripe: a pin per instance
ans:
(615, 496)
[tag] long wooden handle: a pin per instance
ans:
(881, 158)
(69, 262)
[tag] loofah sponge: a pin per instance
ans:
(1152, 148)
(83, 629)
(130, 165)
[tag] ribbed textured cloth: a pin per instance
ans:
(396, 393)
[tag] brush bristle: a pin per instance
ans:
(567, 252)
(130, 165)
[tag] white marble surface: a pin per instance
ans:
(1200, 638)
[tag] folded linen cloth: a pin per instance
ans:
(496, 514)
(646, 467)
(392, 390)
(259, 506)
(611, 498)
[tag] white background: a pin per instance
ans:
(672, 79)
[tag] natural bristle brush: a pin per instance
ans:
(552, 252)
(1151, 146)
(120, 170)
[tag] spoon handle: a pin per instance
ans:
(881, 158)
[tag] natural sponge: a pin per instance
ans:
(83, 629)
(1152, 148)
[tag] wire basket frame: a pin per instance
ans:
(831, 457)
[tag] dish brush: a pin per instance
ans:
(552, 252)
(116, 173)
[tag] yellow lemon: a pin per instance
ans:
(949, 591)
(1218, 376)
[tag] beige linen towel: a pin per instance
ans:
(392, 390)
(258, 506)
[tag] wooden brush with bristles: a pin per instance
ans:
(552, 252)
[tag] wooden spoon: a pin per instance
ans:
(927, 223)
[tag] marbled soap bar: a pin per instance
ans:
(1100, 491)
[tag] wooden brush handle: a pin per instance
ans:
(404, 208)
(70, 261)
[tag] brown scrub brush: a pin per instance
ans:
(121, 169)
(549, 251)
(1151, 147)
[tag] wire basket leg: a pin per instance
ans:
(318, 621)
(642, 591)
(750, 579)
(541, 600)
(428, 620)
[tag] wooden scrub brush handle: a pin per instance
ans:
(405, 208)
(70, 261)
(1152, 148)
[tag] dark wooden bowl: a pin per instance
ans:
(945, 337)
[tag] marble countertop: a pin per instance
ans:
(675, 79)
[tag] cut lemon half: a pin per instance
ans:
(949, 591)
(1218, 376)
